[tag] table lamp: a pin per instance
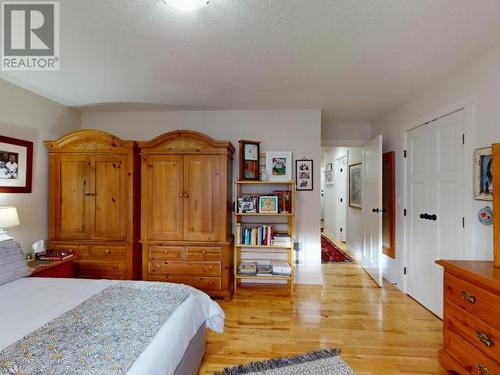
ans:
(8, 219)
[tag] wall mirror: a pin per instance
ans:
(389, 205)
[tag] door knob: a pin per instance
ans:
(375, 210)
(433, 217)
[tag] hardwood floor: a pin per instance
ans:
(380, 331)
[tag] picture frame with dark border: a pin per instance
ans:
(304, 177)
(355, 185)
(483, 177)
(16, 165)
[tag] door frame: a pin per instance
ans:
(346, 197)
(468, 105)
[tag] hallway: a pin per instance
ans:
(380, 331)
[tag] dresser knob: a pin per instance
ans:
(469, 297)
(485, 339)
(483, 370)
(107, 251)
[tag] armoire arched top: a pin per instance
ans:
(89, 141)
(185, 142)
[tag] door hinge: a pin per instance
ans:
(404, 270)
(463, 222)
(341, 170)
(341, 200)
(404, 212)
(463, 138)
(404, 153)
(340, 230)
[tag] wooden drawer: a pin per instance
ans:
(82, 251)
(475, 331)
(166, 252)
(473, 299)
(202, 283)
(204, 253)
(108, 252)
(473, 360)
(185, 268)
(101, 270)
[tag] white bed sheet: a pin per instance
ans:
(28, 303)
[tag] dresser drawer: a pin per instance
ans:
(475, 331)
(473, 360)
(166, 252)
(202, 283)
(82, 251)
(101, 270)
(108, 252)
(185, 268)
(473, 299)
(203, 253)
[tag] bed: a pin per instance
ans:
(27, 304)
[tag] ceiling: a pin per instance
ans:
(353, 59)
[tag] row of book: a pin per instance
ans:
(275, 268)
(261, 235)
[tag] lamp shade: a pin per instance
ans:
(8, 217)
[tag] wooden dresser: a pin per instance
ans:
(471, 317)
(186, 211)
(94, 203)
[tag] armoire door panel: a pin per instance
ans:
(202, 184)
(110, 197)
(166, 197)
(74, 206)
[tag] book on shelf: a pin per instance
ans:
(247, 268)
(257, 235)
(281, 239)
(273, 268)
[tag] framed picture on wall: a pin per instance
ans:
(355, 185)
(483, 177)
(329, 179)
(279, 165)
(16, 165)
(304, 174)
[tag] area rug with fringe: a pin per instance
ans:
(323, 362)
(330, 253)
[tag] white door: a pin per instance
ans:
(341, 197)
(371, 257)
(435, 157)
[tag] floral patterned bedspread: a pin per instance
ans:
(103, 335)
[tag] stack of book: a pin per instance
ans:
(282, 239)
(261, 235)
(274, 268)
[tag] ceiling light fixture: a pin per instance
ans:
(187, 5)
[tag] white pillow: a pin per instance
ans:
(12, 262)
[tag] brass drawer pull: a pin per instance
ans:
(485, 339)
(483, 370)
(469, 297)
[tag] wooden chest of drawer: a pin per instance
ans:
(185, 268)
(202, 283)
(471, 318)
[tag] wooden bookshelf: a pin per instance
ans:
(282, 219)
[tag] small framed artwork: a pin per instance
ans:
(279, 165)
(247, 204)
(355, 185)
(249, 160)
(483, 177)
(16, 165)
(329, 179)
(304, 174)
(329, 167)
(268, 204)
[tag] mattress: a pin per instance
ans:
(28, 303)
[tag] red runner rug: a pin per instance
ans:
(331, 253)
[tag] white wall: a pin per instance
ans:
(31, 117)
(298, 131)
(352, 133)
(481, 80)
(354, 220)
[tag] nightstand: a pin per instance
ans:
(52, 268)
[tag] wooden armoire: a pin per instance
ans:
(94, 203)
(186, 211)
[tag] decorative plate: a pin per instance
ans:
(485, 215)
